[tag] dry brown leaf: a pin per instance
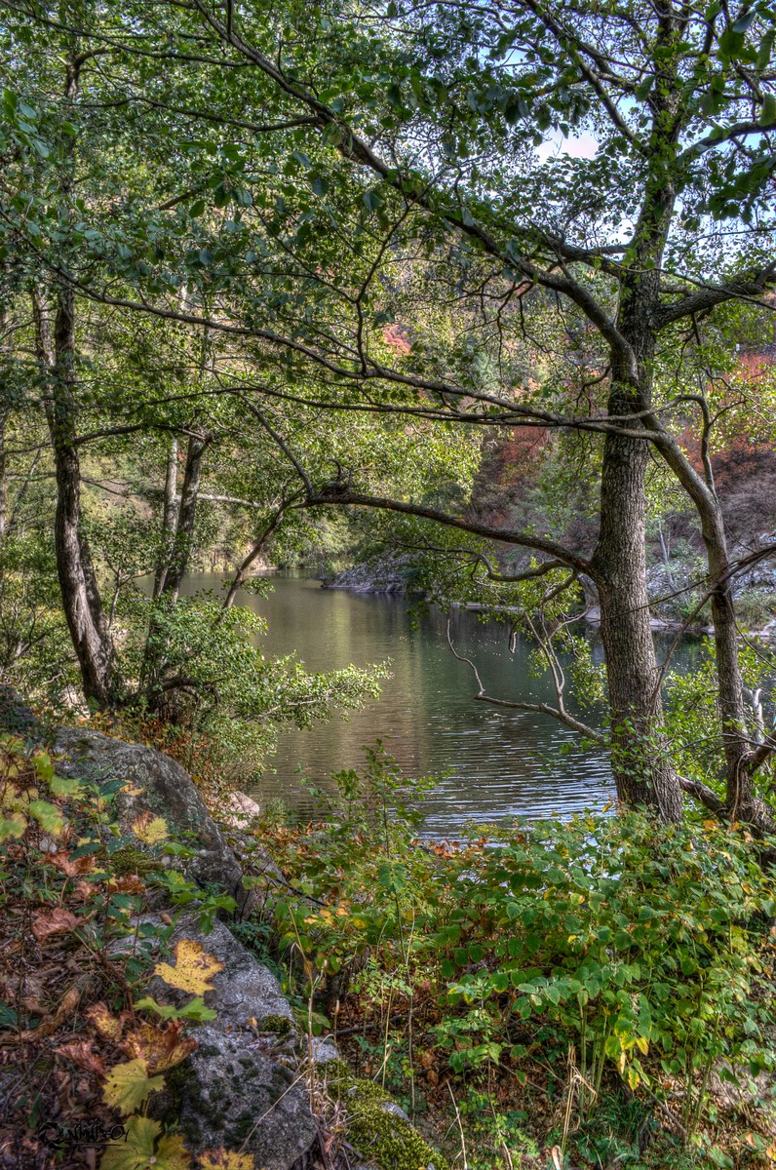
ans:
(72, 867)
(161, 1047)
(81, 1053)
(55, 921)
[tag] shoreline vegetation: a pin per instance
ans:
(585, 994)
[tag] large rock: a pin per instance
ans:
(16, 716)
(154, 786)
(242, 1088)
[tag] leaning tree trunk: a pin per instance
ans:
(158, 695)
(187, 515)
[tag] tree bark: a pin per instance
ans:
(169, 516)
(187, 514)
(641, 765)
(77, 580)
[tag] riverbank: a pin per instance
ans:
(674, 589)
(187, 990)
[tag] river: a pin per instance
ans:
(492, 764)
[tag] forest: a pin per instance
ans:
(466, 312)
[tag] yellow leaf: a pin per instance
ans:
(193, 969)
(13, 826)
(127, 1085)
(226, 1160)
(135, 1150)
(150, 830)
(642, 1044)
(160, 1046)
(138, 1149)
(105, 1022)
(633, 1077)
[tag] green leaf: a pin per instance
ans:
(768, 111)
(48, 816)
(12, 827)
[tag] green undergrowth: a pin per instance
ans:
(602, 987)
(374, 1126)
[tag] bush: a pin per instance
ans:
(619, 948)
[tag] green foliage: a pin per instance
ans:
(628, 951)
(231, 699)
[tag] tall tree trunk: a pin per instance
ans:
(642, 769)
(77, 580)
(154, 660)
(169, 517)
(187, 514)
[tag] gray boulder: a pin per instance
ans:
(156, 786)
(243, 1088)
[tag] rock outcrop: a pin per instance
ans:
(245, 1086)
(154, 786)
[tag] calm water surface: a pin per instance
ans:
(493, 764)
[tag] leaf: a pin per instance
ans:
(225, 1160)
(193, 969)
(81, 1053)
(12, 827)
(150, 830)
(72, 867)
(66, 786)
(160, 1047)
(48, 816)
(194, 1010)
(139, 1149)
(135, 1150)
(105, 1022)
(128, 1085)
(768, 111)
(49, 922)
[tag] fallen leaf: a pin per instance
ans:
(81, 1053)
(193, 969)
(73, 867)
(106, 1023)
(160, 1047)
(139, 1149)
(55, 921)
(149, 829)
(127, 1085)
(129, 883)
(226, 1160)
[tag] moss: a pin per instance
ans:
(130, 860)
(278, 1025)
(379, 1135)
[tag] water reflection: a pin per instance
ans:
(494, 764)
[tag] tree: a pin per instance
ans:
(384, 157)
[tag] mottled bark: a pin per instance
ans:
(187, 515)
(169, 517)
(77, 580)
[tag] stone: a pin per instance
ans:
(240, 810)
(324, 1050)
(155, 785)
(16, 717)
(242, 1088)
